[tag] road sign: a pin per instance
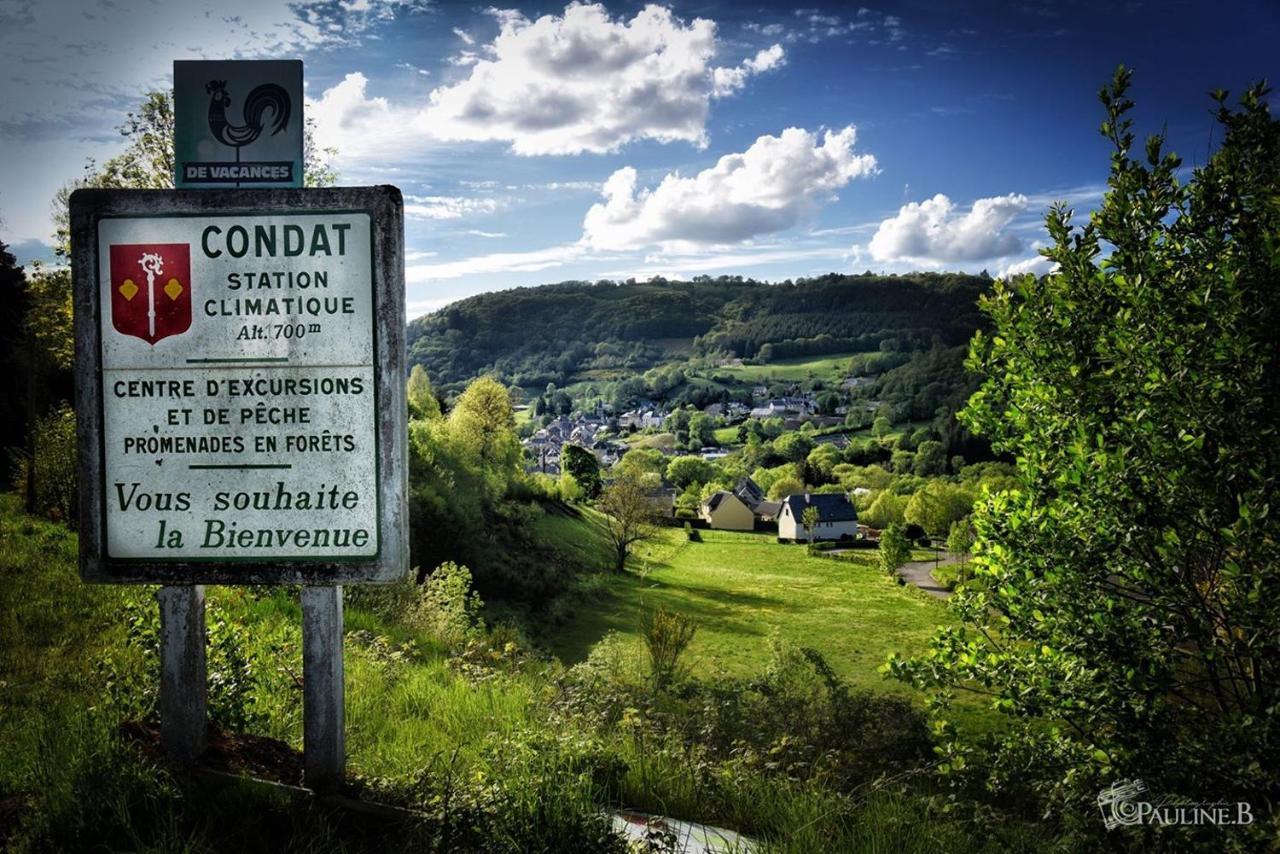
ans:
(240, 388)
(238, 123)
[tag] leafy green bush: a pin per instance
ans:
(55, 466)
(447, 607)
(667, 634)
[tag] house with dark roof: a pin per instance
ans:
(749, 492)
(725, 511)
(837, 517)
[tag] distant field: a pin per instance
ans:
(827, 367)
(653, 440)
(727, 435)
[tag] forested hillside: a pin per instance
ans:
(533, 336)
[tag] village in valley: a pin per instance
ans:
(609, 435)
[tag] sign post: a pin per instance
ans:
(183, 703)
(241, 413)
(323, 734)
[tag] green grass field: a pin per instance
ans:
(740, 588)
(652, 440)
(825, 367)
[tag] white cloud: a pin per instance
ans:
(447, 207)
(768, 188)
(362, 128)
(500, 262)
(466, 37)
(933, 233)
(585, 81)
(729, 80)
(1039, 265)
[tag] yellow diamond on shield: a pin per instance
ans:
(129, 289)
(173, 289)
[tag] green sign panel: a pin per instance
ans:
(237, 123)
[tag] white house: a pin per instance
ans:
(837, 517)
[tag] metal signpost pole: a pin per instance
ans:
(183, 700)
(323, 738)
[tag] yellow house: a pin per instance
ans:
(725, 511)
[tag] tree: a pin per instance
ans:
(421, 399)
(583, 466)
(1127, 600)
(793, 447)
(14, 418)
(936, 506)
(822, 462)
(785, 485)
(810, 518)
(702, 430)
(960, 540)
(885, 509)
(684, 471)
(881, 427)
(930, 460)
(643, 461)
(895, 548)
(628, 516)
(484, 424)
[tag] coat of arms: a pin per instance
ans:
(151, 289)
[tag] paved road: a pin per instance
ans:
(920, 573)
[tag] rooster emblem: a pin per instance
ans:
(268, 96)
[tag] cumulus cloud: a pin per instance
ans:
(356, 124)
(1038, 265)
(726, 81)
(767, 188)
(585, 81)
(933, 233)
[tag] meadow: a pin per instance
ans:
(741, 589)
(492, 745)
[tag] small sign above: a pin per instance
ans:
(237, 123)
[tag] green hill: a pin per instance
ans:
(558, 333)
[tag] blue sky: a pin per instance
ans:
(544, 142)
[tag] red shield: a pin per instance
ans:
(151, 289)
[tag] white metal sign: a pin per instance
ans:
(242, 388)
